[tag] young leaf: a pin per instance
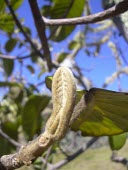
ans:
(105, 113)
(16, 4)
(48, 82)
(116, 142)
(62, 56)
(63, 97)
(79, 93)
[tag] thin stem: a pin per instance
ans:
(9, 139)
(73, 156)
(40, 26)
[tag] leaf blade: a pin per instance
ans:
(31, 116)
(102, 116)
(116, 142)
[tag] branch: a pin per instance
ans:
(21, 28)
(40, 26)
(28, 153)
(63, 86)
(46, 158)
(63, 16)
(72, 157)
(86, 83)
(3, 56)
(120, 8)
(9, 139)
(115, 75)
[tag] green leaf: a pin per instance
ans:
(27, 30)
(31, 117)
(45, 11)
(62, 56)
(59, 9)
(116, 142)
(2, 5)
(79, 94)
(31, 69)
(16, 4)
(5, 147)
(6, 22)
(16, 94)
(9, 84)
(106, 113)
(43, 70)
(10, 44)
(11, 129)
(73, 44)
(34, 57)
(78, 41)
(48, 82)
(8, 65)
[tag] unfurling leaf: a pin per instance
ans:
(63, 96)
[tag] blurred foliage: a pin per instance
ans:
(117, 141)
(63, 9)
(26, 101)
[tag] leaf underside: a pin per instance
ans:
(106, 113)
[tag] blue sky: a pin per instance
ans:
(101, 67)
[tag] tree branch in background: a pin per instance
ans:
(9, 139)
(73, 156)
(40, 26)
(3, 56)
(21, 29)
(120, 8)
(80, 77)
(46, 158)
(115, 75)
(119, 159)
